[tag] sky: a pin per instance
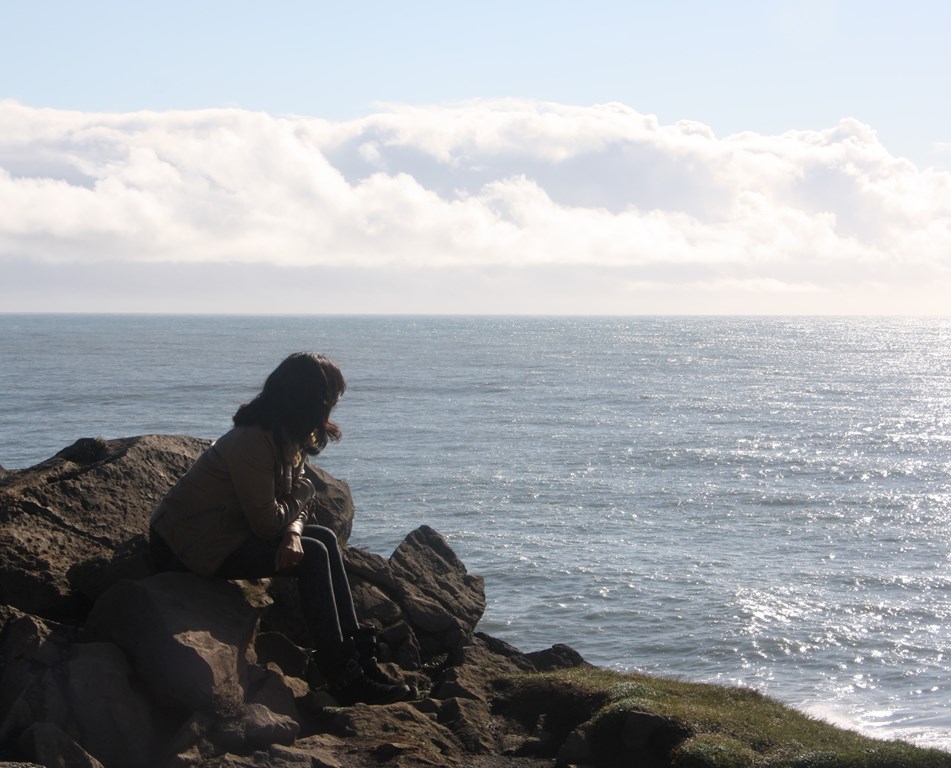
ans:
(685, 157)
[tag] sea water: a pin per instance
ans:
(751, 501)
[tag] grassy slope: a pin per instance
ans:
(713, 725)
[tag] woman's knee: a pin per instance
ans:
(314, 549)
(322, 534)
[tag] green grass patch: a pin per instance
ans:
(635, 718)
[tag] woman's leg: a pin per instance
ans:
(252, 560)
(255, 560)
(342, 596)
(328, 610)
(161, 556)
(316, 580)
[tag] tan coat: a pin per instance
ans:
(238, 488)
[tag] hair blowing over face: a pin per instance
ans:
(296, 402)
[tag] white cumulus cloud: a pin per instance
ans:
(505, 183)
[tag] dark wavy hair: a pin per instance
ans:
(296, 402)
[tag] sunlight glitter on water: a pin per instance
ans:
(748, 500)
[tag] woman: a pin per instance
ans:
(241, 511)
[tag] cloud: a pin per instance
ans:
(753, 285)
(495, 184)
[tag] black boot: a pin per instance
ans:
(366, 643)
(351, 685)
(368, 650)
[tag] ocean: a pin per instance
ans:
(755, 501)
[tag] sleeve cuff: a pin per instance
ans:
(297, 525)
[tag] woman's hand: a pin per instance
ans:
(303, 490)
(290, 552)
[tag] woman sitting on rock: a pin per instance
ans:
(241, 512)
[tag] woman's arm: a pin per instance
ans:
(291, 551)
(253, 463)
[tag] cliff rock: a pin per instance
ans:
(104, 663)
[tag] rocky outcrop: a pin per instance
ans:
(186, 638)
(103, 663)
(69, 520)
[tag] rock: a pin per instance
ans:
(30, 648)
(186, 636)
(375, 596)
(269, 688)
(130, 560)
(77, 507)
(184, 744)
(422, 600)
(503, 650)
(559, 656)
(650, 736)
(425, 560)
(114, 722)
(285, 617)
(322, 747)
(363, 566)
(474, 678)
(273, 647)
(377, 727)
(645, 731)
(30, 637)
(48, 745)
(253, 727)
(374, 606)
(441, 600)
(471, 722)
(333, 505)
(169, 670)
(312, 752)
(550, 712)
(576, 749)
(401, 645)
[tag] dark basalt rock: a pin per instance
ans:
(103, 663)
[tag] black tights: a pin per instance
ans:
(321, 579)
